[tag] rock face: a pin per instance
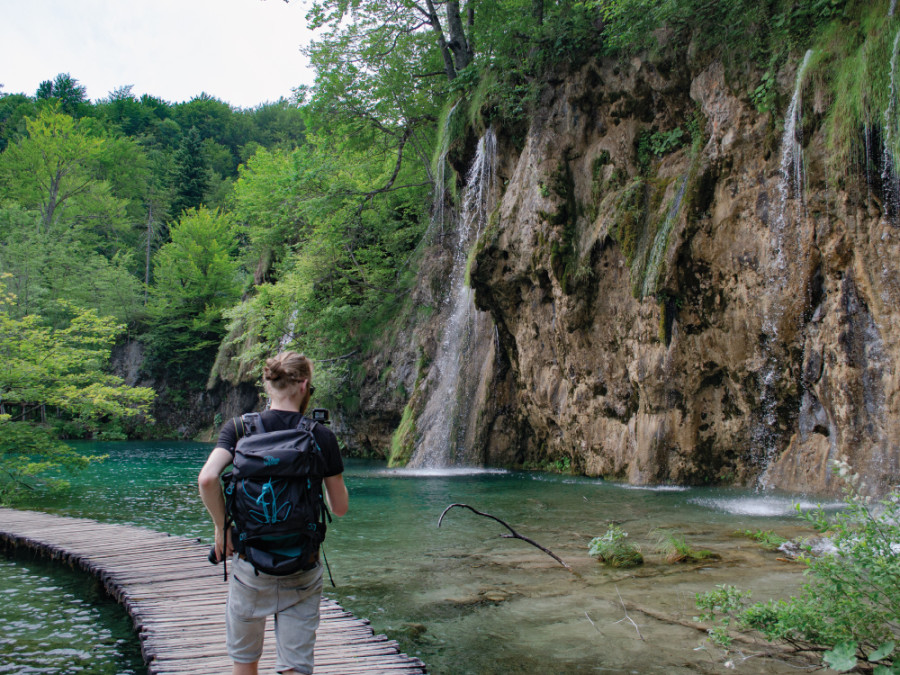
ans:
(176, 415)
(671, 311)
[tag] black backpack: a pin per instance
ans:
(273, 495)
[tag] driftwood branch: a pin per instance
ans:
(513, 535)
(626, 615)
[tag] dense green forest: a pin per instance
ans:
(214, 235)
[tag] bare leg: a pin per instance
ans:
(245, 668)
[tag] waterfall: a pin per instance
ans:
(889, 182)
(289, 334)
(892, 8)
(660, 243)
(785, 244)
(791, 184)
(438, 212)
(443, 425)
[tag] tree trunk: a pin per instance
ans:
(435, 22)
(147, 262)
(49, 209)
(537, 11)
(459, 44)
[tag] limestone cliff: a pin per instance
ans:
(674, 309)
(178, 413)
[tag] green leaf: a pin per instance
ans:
(883, 651)
(885, 670)
(843, 657)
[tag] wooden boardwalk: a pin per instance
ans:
(176, 599)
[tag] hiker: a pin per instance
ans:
(253, 594)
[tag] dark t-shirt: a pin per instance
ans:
(280, 420)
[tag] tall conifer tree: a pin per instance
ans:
(191, 176)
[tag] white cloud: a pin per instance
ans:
(244, 52)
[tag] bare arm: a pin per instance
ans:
(213, 499)
(336, 492)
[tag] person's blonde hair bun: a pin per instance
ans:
(285, 368)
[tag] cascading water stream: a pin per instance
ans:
(889, 181)
(438, 210)
(443, 423)
(791, 184)
(892, 8)
(660, 243)
(289, 334)
(785, 245)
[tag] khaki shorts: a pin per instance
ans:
(292, 599)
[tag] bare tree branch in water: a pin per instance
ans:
(514, 535)
(626, 615)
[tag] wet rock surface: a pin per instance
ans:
(767, 344)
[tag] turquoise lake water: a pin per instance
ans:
(460, 597)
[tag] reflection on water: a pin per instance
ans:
(55, 620)
(466, 600)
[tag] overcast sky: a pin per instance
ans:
(244, 52)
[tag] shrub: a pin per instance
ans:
(613, 550)
(849, 606)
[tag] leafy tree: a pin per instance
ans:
(64, 234)
(59, 370)
(132, 116)
(278, 124)
(330, 252)
(65, 89)
(47, 268)
(195, 279)
(211, 117)
(53, 167)
(392, 24)
(14, 108)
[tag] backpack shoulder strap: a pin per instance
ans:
(306, 424)
(251, 424)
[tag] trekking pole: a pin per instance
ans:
(328, 567)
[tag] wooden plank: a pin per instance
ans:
(177, 600)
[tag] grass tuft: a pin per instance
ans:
(613, 549)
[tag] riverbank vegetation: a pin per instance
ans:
(53, 384)
(847, 609)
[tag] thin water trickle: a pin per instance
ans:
(660, 243)
(786, 248)
(791, 183)
(438, 209)
(289, 334)
(892, 8)
(890, 181)
(463, 598)
(888, 170)
(443, 422)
